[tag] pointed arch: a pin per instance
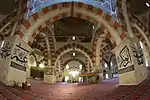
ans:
(70, 47)
(75, 59)
(50, 14)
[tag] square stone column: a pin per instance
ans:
(99, 71)
(131, 64)
(49, 75)
(14, 57)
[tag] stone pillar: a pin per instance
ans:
(28, 72)
(131, 66)
(146, 55)
(99, 71)
(88, 66)
(13, 59)
(110, 72)
(49, 75)
(59, 65)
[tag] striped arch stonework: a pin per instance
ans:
(71, 46)
(105, 47)
(66, 10)
(46, 16)
(132, 20)
(87, 64)
(48, 34)
(135, 20)
(120, 15)
(100, 33)
(75, 59)
(46, 31)
(99, 12)
(61, 62)
(36, 16)
(37, 46)
(35, 57)
(131, 17)
(7, 24)
(59, 65)
(139, 36)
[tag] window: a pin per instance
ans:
(106, 65)
(80, 66)
(141, 44)
(66, 78)
(73, 38)
(147, 4)
(111, 64)
(41, 65)
(67, 66)
(2, 44)
(106, 76)
(146, 63)
(93, 27)
(74, 54)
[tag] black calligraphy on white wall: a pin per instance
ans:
(48, 71)
(124, 57)
(138, 53)
(5, 50)
(19, 57)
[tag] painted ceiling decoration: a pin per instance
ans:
(108, 6)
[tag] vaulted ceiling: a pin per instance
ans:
(68, 27)
(139, 6)
(7, 6)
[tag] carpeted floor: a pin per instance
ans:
(107, 90)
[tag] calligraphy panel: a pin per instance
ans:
(138, 53)
(124, 59)
(19, 57)
(5, 49)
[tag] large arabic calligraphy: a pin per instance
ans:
(124, 57)
(19, 56)
(5, 51)
(138, 53)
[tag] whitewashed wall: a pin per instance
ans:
(14, 52)
(131, 66)
(6, 47)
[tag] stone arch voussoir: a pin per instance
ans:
(102, 34)
(75, 59)
(71, 47)
(55, 12)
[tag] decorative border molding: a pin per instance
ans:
(127, 69)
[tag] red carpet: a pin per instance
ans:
(107, 90)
